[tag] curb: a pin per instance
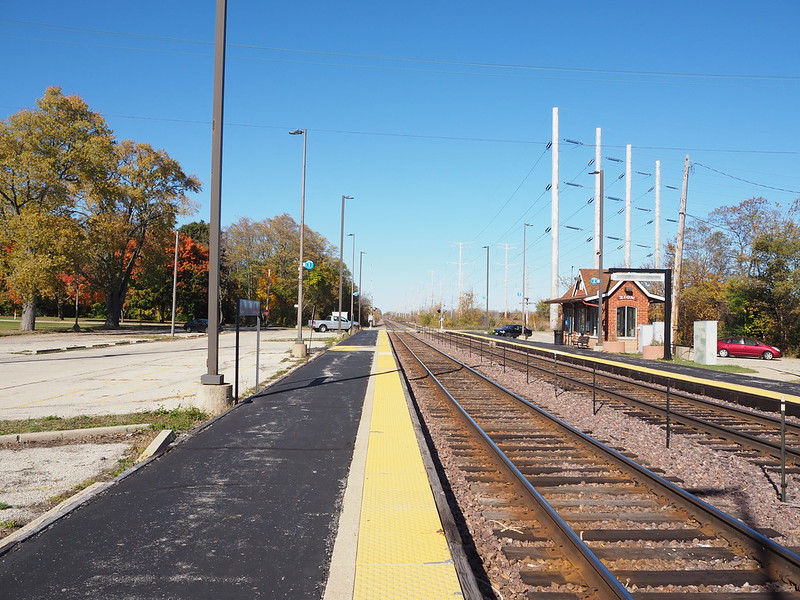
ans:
(50, 516)
(85, 347)
(69, 434)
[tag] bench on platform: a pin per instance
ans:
(581, 341)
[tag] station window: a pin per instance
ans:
(626, 321)
(568, 320)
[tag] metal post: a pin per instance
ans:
(599, 259)
(213, 377)
(555, 373)
(174, 289)
(524, 275)
(236, 359)
(487, 285)
(360, 268)
(669, 429)
(300, 348)
(258, 348)
(352, 279)
(594, 388)
(783, 450)
(527, 378)
(341, 260)
(77, 327)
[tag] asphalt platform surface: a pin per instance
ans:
(245, 508)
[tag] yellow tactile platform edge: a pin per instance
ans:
(402, 550)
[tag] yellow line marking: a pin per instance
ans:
(402, 550)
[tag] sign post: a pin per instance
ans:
(247, 308)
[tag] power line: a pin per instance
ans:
(769, 187)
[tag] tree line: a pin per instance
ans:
(83, 214)
(741, 267)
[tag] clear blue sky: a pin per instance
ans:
(436, 117)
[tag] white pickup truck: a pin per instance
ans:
(332, 322)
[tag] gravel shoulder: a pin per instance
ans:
(724, 480)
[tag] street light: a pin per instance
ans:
(174, 286)
(361, 254)
(601, 192)
(213, 377)
(524, 283)
(341, 261)
(77, 327)
(487, 285)
(299, 349)
(353, 279)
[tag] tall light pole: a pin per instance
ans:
(213, 376)
(77, 327)
(352, 279)
(361, 254)
(299, 349)
(174, 286)
(487, 285)
(524, 276)
(341, 260)
(599, 245)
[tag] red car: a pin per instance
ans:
(742, 346)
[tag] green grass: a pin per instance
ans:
(44, 325)
(723, 368)
(179, 419)
(4, 506)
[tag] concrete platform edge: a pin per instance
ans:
(466, 576)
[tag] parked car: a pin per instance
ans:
(743, 346)
(511, 331)
(199, 325)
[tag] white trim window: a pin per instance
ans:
(626, 321)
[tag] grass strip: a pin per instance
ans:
(179, 419)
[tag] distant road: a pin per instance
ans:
(127, 378)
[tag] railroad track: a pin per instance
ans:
(769, 441)
(579, 519)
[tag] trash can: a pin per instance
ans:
(558, 337)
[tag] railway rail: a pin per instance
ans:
(579, 519)
(770, 441)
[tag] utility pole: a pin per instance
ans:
(628, 203)
(505, 283)
(460, 272)
(553, 226)
(487, 285)
(676, 280)
(598, 193)
(657, 241)
(432, 301)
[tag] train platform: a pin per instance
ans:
(315, 488)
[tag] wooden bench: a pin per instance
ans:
(581, 341)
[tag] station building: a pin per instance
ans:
(626, 305)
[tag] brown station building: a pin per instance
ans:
(625, 306)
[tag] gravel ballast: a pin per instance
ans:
(729, 482)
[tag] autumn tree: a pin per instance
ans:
(49, 157)
(192, 292)
(263, 256)
(143, 195)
